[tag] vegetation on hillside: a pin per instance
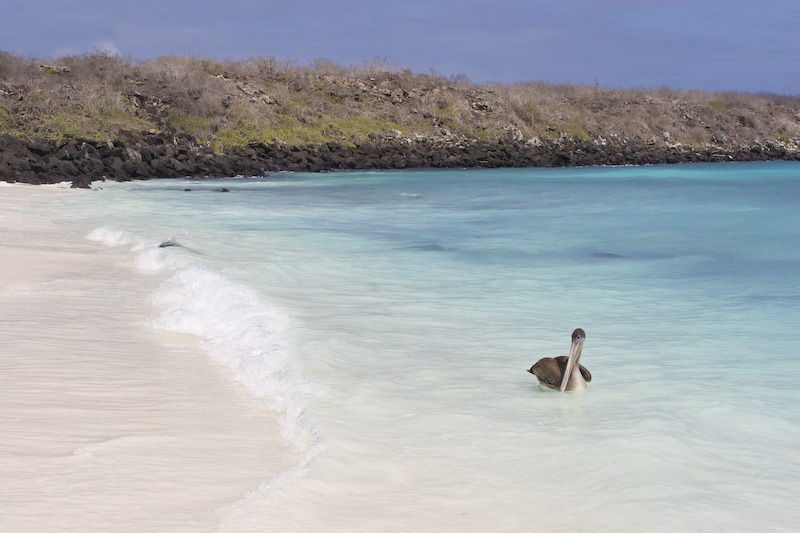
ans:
(226, 104)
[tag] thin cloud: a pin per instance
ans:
(108, 48)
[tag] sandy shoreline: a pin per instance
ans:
(105, 423)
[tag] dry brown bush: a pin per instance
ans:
(262, 97)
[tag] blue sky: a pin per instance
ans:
(686, 44)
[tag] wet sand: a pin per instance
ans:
(105, 423)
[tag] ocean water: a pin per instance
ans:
(387, 320)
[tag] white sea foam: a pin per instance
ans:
(110, 237)
(152, 258)
(237, 329)
(246, 336)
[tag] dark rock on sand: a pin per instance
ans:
(170, 155)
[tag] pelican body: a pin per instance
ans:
(564, 373)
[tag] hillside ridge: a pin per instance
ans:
(197, 116)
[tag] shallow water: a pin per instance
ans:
(388, 318)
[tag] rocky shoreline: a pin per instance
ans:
(164, 155)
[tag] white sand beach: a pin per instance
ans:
(105, 423)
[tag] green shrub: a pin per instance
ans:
(575, 130)
(99, 125)
(57, 127)
(7, 124)
(191, 124)
(287, 129)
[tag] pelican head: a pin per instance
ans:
(578, 336)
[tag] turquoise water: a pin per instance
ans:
(388, 318)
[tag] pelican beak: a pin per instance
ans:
(572, 361)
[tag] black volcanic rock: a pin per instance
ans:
(147, 155)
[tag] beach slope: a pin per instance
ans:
(105, 423)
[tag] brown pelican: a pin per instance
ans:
(564, 373)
